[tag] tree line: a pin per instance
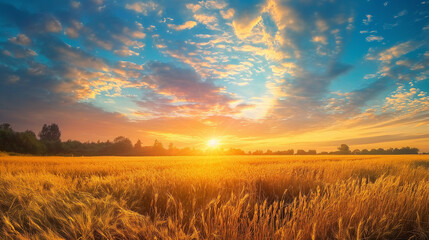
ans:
(48, 142)
(343, 149)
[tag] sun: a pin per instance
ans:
(213, 143)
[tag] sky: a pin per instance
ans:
(257, 74)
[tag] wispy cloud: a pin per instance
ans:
(186, 25)
(372, 38)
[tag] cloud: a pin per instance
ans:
(75, 4)
(29, 23)
(34, 101)
(359, 98)
(397, 51)
(320, 39)
(144, 7)
(208, 20)
(215, 4)
(244, 26)
(109, 33)
(125, 52)
(72, 33)
(73, 29)
(368, 19)
(17, 51)
(228, 14)
(130, 65)
(183, 85)
(186, 25)
(372, 38)
(21, 39)
(138, 34)
(61, 53)
(193, 7)
(53, 25)
(401, 13)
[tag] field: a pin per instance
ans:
(229, 197)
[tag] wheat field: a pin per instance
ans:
(215, 197)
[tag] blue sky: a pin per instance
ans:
(255, 74)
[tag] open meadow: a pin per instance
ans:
(218, 197)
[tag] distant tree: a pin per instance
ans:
(121, 146)
(158, 148)
(172, 150)
(235, 151)
(19, 142)
(344, 148)
(287, 152)
(138, 144)
(6, 138)
(311, 152)
(50, 133)
(29, 143)
(74, 148)
(373, 151)
(356, 151)
(5, 127)
(157, 144)
(50, 136)
(408, 150)
(258, 152)
(300, 152)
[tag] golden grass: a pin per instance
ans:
(229, 197)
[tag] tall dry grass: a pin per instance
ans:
(233, 197)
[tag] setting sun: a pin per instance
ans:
(213, 143)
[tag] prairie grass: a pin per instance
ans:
(225, 197)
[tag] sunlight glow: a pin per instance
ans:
(213, 143)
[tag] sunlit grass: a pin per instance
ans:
(230, 197)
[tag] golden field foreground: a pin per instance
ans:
(225, 197)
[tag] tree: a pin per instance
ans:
(312, 152)
(158, 148)
(5, 127)
(19, 142)
(138, 147)
(300, 152)
(50, 133)
(157, 145)
(364, 151)
(121, 146)
(50, 136)
(356, 151)
(344, 148)
(258, 152)
(235, 151)
(172, 150)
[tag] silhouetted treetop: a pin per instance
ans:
(344, 148)
(5, 127)
(50, 133)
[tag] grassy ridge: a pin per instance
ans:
(230, 197)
